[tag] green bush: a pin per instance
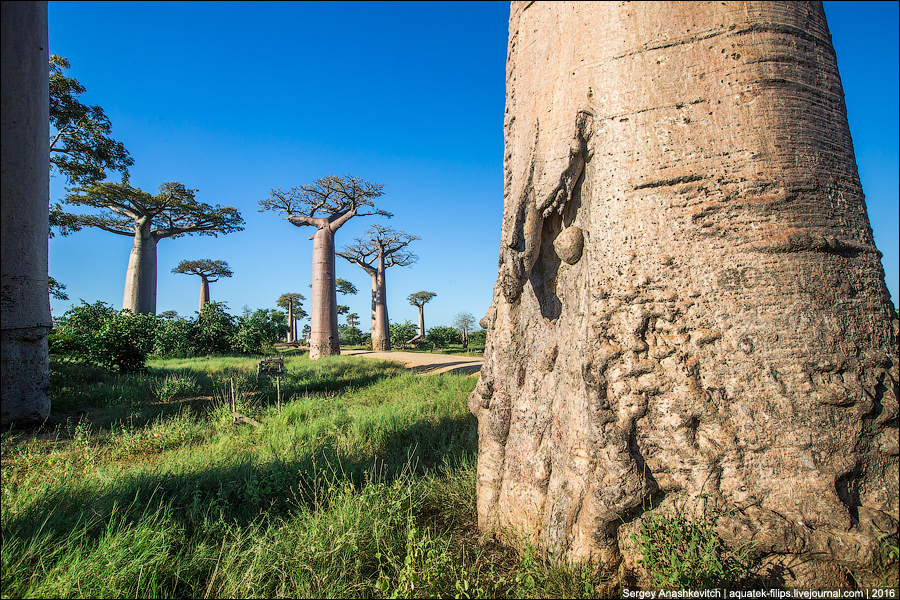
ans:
(214, 329)
(442, 337)
(350, 336)
(257, 332)
(97, 333)
(402, 333)
(175, 339)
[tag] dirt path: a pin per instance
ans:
(426, 363)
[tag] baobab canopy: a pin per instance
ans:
(148, 218)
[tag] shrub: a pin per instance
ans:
(97, 333)
(442, 337)
(175, 339)
(258, 331)
(214, 330)
(350, 336)
(478, 338)
(402, 333)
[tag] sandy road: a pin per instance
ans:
(426, 363)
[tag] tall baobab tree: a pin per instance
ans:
(382, 247)
(689, 306)
(291, 303)
(25, 378)
(210, 271)
(326, 204)
(147, 219)
(419, 300)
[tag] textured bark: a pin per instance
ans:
(381, 329)
(140, 278)
(689, 299)
(25, 377)
(323, 340)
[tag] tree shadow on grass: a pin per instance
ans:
(238, 490)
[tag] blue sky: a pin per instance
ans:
(237, 98)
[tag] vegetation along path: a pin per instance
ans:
(426, 363)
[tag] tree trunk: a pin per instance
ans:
(25, 379)
(381, 330)
(324, 340)
(291, 329)
(204, 292)
(140, 279)
(422, 321)
(690, 306)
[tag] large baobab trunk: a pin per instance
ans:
(690, 304)
(140, 279)
(381, 329)
(323, 340)
(25, 378)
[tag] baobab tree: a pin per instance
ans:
(147, 219)
(210, 271)
(419, 300)
(291, 303)
(382, 247)
(464, 322)
(326, 204)
(689, 307)
(25, 377)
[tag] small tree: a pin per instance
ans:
(291, 302)
(464, 322)
(382, 248)
(147, 219)
(420, 299)
(210, 271)
(326, 205)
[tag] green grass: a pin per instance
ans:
(362, 485)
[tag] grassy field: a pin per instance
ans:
(362, 485)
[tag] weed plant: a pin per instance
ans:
(362, 485)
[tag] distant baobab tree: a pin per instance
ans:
(210, 271)
(382, 247)
(291, 303)
(419, 300)
(147, 218)
(326, 204)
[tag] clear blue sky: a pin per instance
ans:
(237, 98)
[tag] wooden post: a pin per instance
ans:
(278, 392)
(233, 399)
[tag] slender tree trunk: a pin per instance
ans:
(324, 340)
(422, 321)
(25, 379)
(690, 308)
(204, 292)
(374, 274)
(140, 279)
(381, 331)
(290, 332)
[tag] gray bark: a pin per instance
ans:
(690, 307)
(204, 292)
(25, 377)
(291, 335)
(381, 330)
(140, 278)
(324, 339)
